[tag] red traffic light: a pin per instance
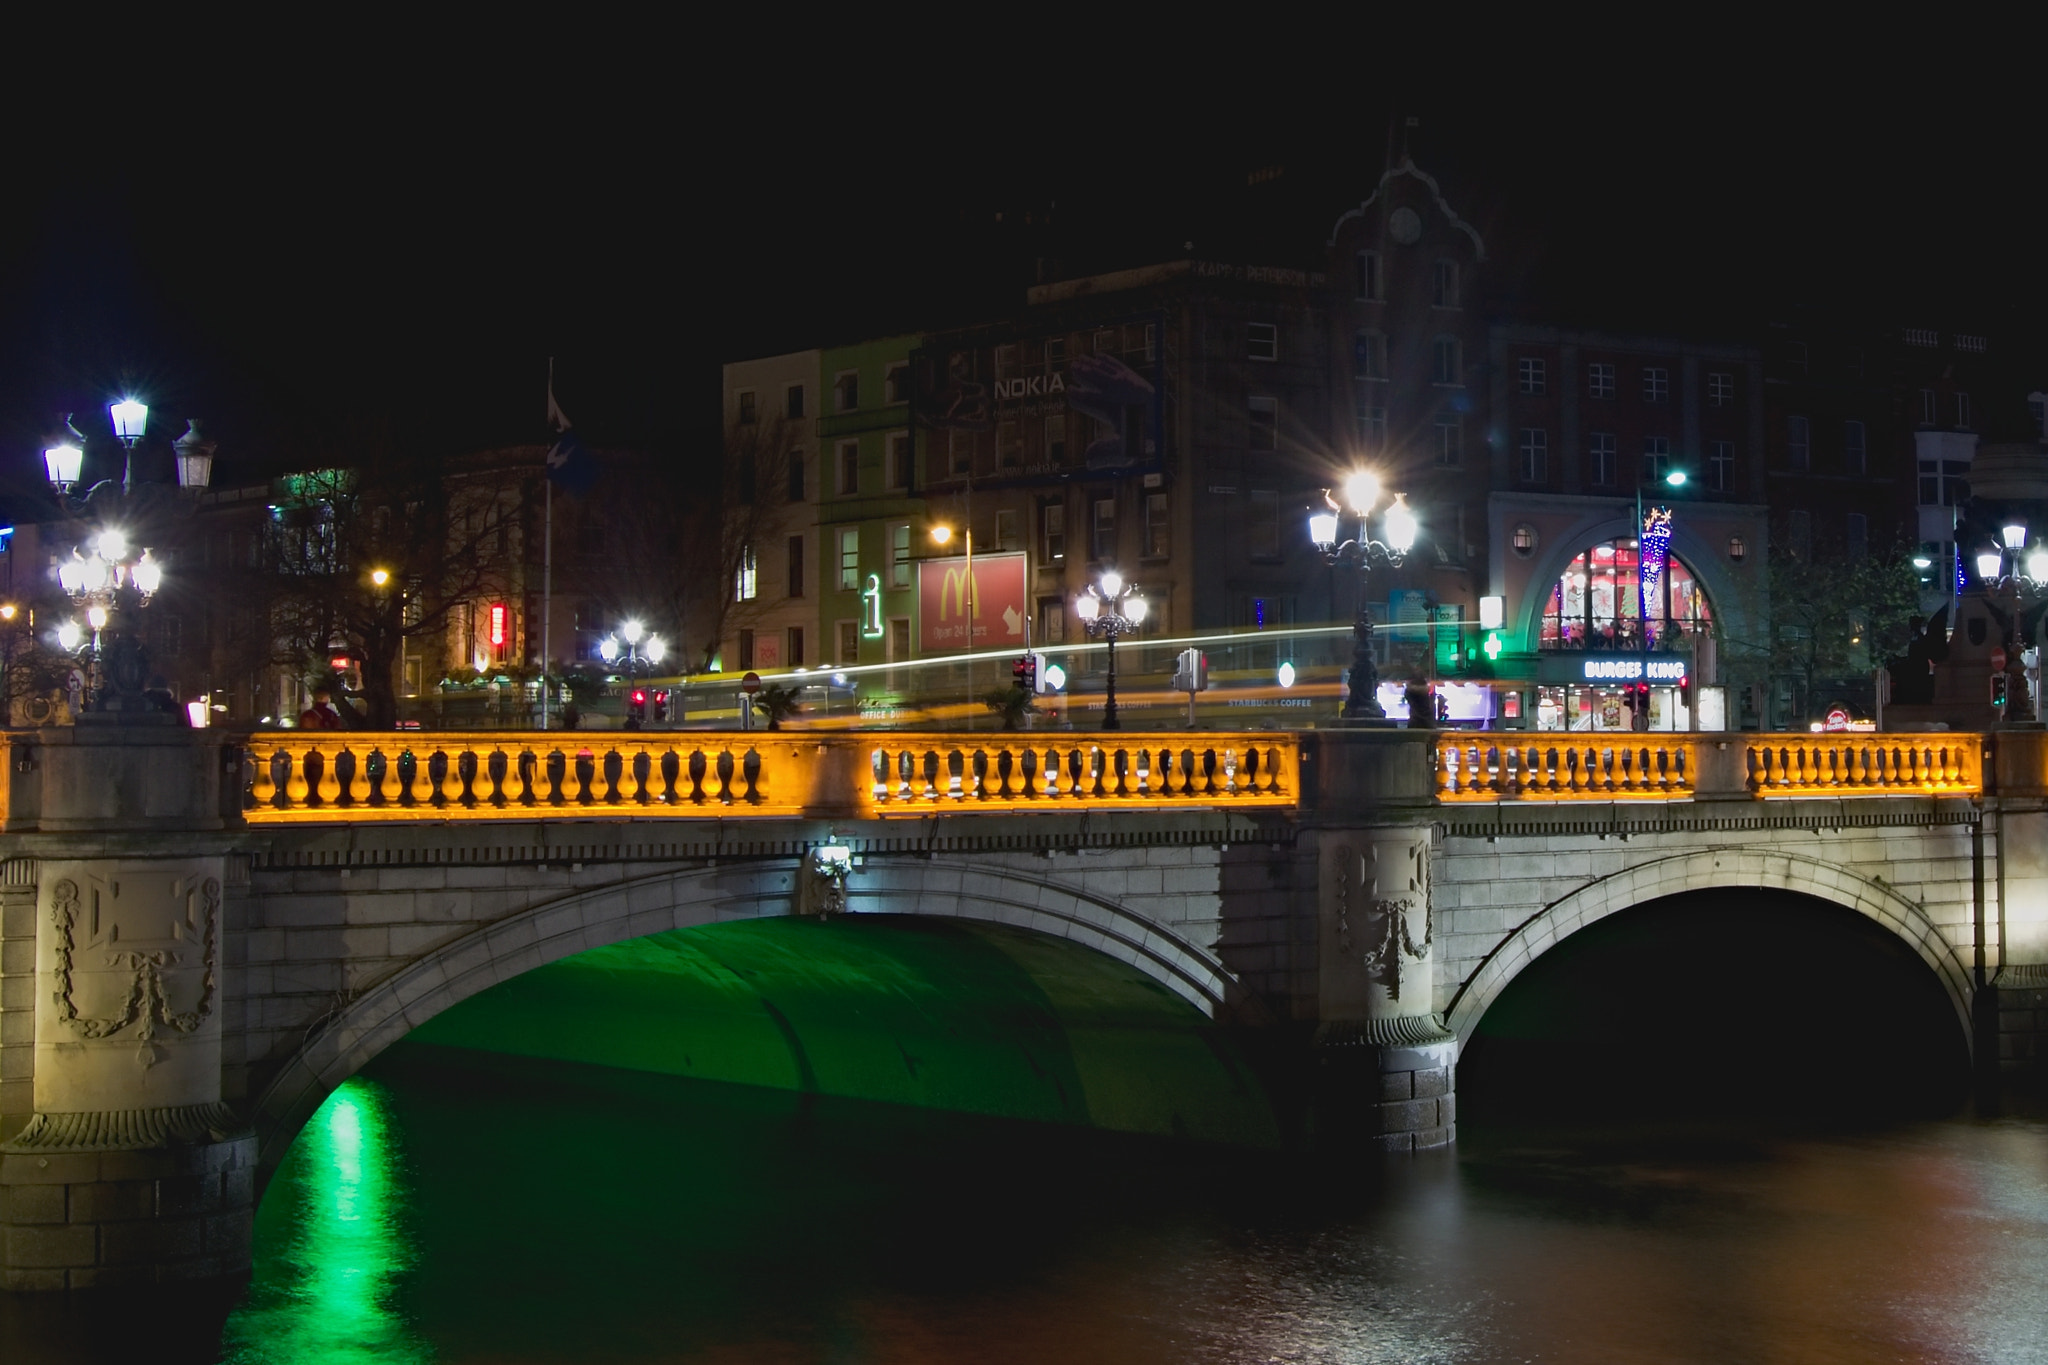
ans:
(639, 696)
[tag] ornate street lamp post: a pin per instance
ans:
(1362, 494)
(2031, 575)
(107, 573)
(1110, 608)
(633, 648)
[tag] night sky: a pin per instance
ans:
(278, 262)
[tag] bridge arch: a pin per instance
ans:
(1730, 868)
(568, 925)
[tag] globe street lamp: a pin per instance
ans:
(1109, 608)
(634, 647)
(1362, 494)
(2029, 574)
(108, 572)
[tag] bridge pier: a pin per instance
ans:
(130, 1169)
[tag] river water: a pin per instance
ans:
(452, 1206)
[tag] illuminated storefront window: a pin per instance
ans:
(1595, 604)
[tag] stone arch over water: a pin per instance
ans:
(1704, 870)
(562, 928)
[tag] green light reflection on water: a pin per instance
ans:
(330, 1246)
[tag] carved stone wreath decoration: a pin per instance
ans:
(146, 1004)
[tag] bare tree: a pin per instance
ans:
(732, 526)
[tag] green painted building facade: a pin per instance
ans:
(871, 520)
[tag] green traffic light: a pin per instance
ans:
(1493, 646)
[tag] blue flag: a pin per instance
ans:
(571, 467)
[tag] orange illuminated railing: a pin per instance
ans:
(1866, 765)
(307, 776)
(1497, 767)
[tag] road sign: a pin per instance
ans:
(1998, 658)
(751, 683)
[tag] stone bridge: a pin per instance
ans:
(201, 935)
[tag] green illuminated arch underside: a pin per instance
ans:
(933, 1013)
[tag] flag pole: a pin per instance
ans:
(547, 572)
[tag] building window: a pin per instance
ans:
(1368, 284)
(849, 468)
(1535, 453)
(1056, 438)
(849, 642)
(1942, 483)
(1656, 458)
(1102, 546)
(1264, 529)
(1927, 412)
(1264, 424)
(1922, 336)
(1446, 369)
(1856, 535)
(1523, 541)
(749, 412)
(1052, 532)
(1798, 443)
(849, 559)
(1596, 603)
(1721, 466)
(1450, 440)
(793, 646)
(1600, 459)
(1799, 534)
(793, 402)
(899, 638)
(846, 390)
(2038, 406)
(1052, 621)
(796, 566)
(1443, 284)
(1369, 356)
(1720, 389)
(744, 477)
(1006, 528)
(902, 465)
(1372, 422)
(962, 446)
(1738, 549)
(899, 555)
(1962, 409)
(746, 649)
(1599, 380)
(1158, 527)
(746, 585)
(796, 476)
(896, 382)
(1656, 383)
(1531, 376)
(1010, 444)
(1855, 455)
(1261, 341)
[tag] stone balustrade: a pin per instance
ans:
(1472, 767)
(1496, 767)
(310, 776)
(1866, 765)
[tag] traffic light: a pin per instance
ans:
(1026, 672)
(637, 710)
(661, 703)
(1190, 671)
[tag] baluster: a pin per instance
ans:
(1076, 769)
(724, 769)
(696, 766)
(750, 768)
(1955, 761)
(265, 792)
(930, 791)
(956, 769)
(878, 775)
(451, 777)
(629, 790)
(975, 776)
(1120, 766)
(1006, 764)
(488, 779)
(1051, 769)
(358, 775)
(513, 787)
(329, 783)
(1251, 769)
(906, 774)
(295, 786)
(1027, 773)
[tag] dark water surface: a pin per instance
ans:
(463, 1207)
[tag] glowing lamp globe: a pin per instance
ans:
(71, 574)
(1087, 606)
(2015, 535)
(69, 636)
(2037, 566)
(1322, 529)
(147, 574)
(1987, 565)
(1401, 525)
(608, 649)
(96, 617)
(1362, 491)
(1676, 478)
(1112, 583)
(130, 417)
(632, 631)
(112, 546)
(65, 463)
(1136, 609)
(655, 651)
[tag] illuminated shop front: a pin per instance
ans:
(1618, 639)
